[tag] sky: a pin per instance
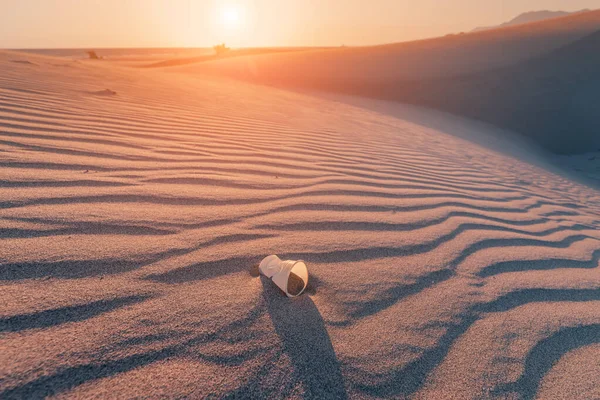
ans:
(253, 23)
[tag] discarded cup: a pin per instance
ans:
(290, 276)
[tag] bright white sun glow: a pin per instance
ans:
(232, 22)
(231, 16)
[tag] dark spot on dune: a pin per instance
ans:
(254, 271)
(25, 62)
(93, 55)
(105, 92)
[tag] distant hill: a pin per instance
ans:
(532, 16)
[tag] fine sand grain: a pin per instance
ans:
(131, 225)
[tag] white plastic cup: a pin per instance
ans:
(280, 271)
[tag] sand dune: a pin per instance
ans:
(552, 99)
(131, 225)
(431, 58)
(538, 79)
(211, 56)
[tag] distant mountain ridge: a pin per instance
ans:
(532, 16)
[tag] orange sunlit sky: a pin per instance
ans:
(202, 23)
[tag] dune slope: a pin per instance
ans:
(135, 205)
(446, 56)
(539, 79)
(553, 99)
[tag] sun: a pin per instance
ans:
(231, 16)
(232, 22)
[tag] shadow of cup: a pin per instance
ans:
(304, 338)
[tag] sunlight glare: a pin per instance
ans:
(231, 16)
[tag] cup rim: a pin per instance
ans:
(305, 282)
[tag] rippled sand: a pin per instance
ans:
(135, 205)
